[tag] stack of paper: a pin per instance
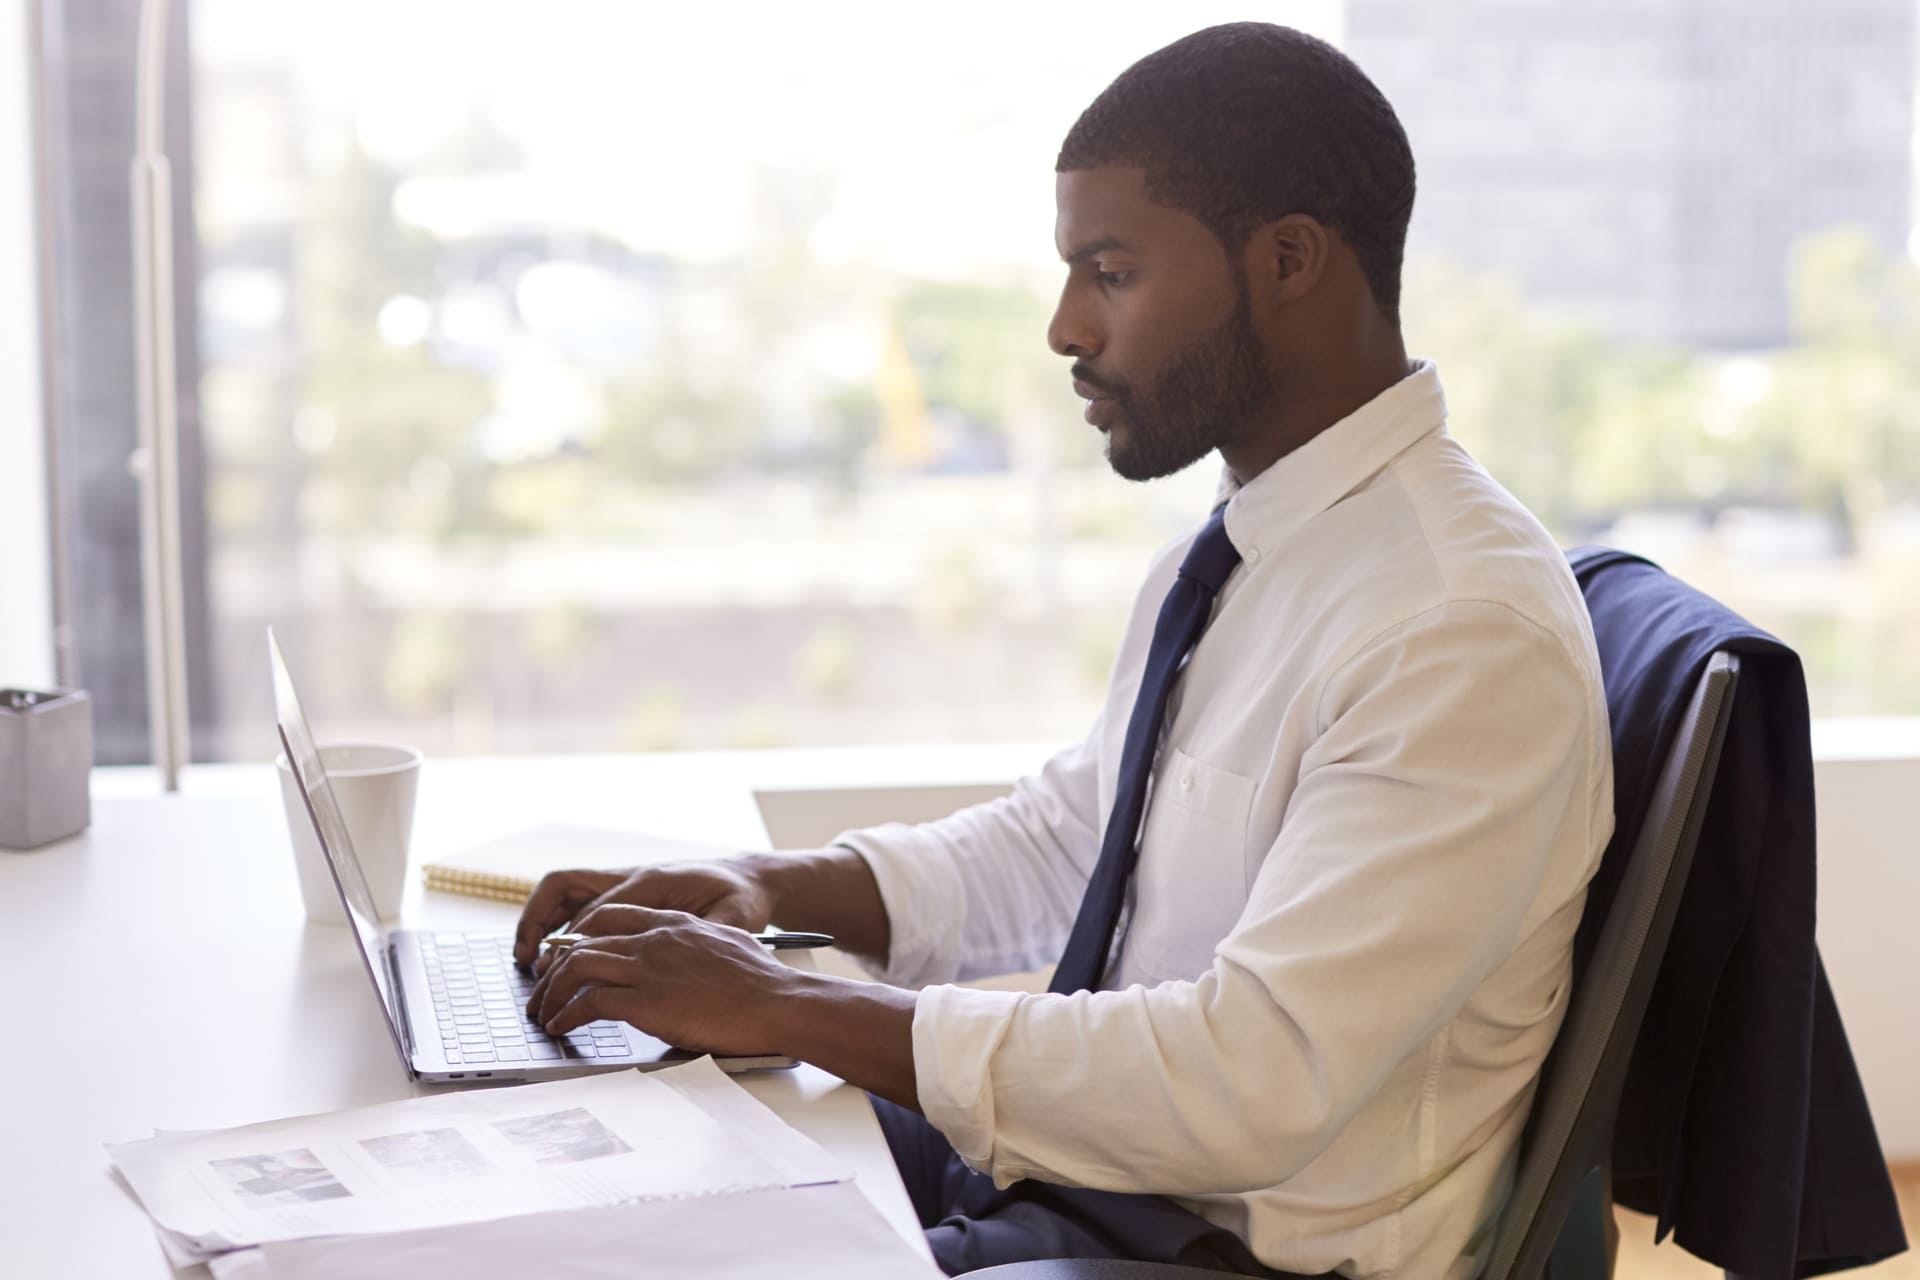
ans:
(583, 1177)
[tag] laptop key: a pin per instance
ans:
(544, 1052)
(518, 1054)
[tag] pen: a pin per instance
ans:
(778, 939)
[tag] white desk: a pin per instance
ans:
(174, 925)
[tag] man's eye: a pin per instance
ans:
(1115, 279)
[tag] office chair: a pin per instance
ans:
(1554, 1224)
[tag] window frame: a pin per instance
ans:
(27, 617)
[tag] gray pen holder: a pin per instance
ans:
(46, 757)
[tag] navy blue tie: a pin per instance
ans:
(1182, 618)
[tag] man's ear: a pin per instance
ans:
(1288, 257)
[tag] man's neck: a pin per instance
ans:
(1344, 388)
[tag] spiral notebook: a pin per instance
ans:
(507, 869)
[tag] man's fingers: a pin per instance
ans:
(558, 897)
(541, 904)
(591, 1004)
(601, 900)
(581, 967)
(556, 957)
(552, 956)
(620, 917)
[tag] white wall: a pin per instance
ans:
(1869, 833)
(26, 596)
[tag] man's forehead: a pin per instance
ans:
(1107, 209)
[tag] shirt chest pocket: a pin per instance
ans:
(1190, 884)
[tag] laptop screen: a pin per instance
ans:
(303, 757)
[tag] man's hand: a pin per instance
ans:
(699, 984)
(724, 892)
(694, 983)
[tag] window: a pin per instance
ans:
(26, 624)
(619, 377)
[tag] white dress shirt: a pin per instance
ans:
(1383, 783)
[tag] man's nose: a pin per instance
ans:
(1071, 331)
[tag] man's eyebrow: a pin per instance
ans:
(1101, 245)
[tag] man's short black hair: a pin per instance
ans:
(1245, 123)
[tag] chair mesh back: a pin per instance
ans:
(1570, 1130)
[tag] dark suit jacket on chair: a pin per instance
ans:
(1742, 1124)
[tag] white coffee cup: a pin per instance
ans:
(376, 785)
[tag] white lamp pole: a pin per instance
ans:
(156, 463)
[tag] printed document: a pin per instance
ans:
(468, 1157)
(752, 1235)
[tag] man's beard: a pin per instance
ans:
(1206, 398)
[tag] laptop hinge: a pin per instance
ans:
(400, 999)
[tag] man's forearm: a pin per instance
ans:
(860, 1031)
(831, 890)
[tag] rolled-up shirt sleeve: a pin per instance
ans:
(1444, 810)
(993, 888)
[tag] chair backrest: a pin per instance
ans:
(1570, 1130)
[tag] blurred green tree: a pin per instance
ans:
(373, 410)
(1840, 429)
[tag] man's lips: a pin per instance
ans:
(1087, 391)
(1100, 404)
(1101, 411)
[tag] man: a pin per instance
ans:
(1318, 870)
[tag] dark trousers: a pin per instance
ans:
(970, 1223)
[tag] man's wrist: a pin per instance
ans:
(860, 1031)
(793, 1001)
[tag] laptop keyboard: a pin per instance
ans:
(480, 998)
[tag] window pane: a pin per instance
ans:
(603, 380)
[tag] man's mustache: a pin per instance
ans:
(1081, 373)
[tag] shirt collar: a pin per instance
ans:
(1262, 513)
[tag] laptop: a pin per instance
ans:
(454, 1002)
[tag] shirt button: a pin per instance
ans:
(1252, 554)
(1186, 780)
